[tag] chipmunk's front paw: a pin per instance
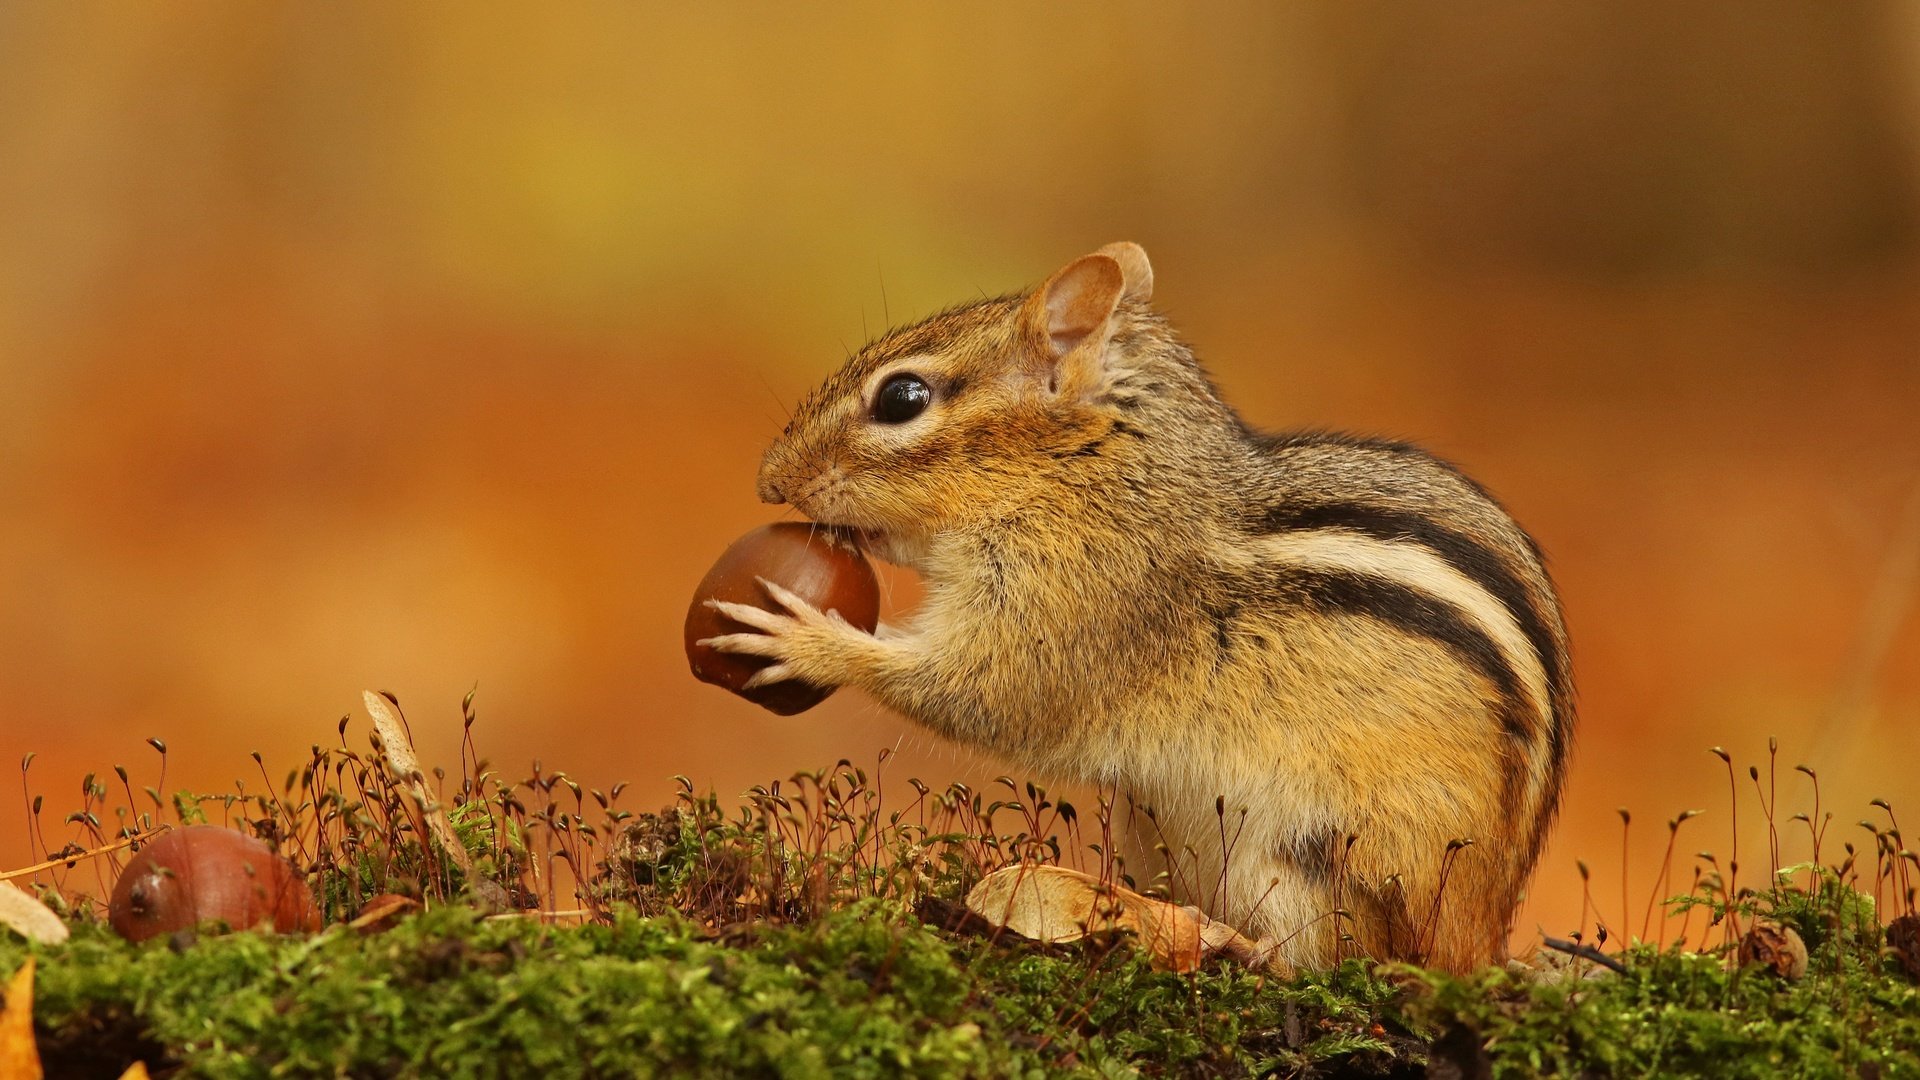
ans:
(805, 643)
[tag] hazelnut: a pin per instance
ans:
(1903, 938)
(1777, 948)
(818, 563)
(202, 874)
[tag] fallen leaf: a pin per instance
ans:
(30, 918)
(19, 1058)
(381, 912)
(135, 1071)
(404, 766)
(1054, 904)
(1045, 903)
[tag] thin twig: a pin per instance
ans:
(1585, 952)
(69, 860)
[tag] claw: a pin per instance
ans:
(748, 615)
(786, 597)
(767, 676)
(743, 644)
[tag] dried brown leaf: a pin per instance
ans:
(1047, 903)
(19, 1057)
(383, 911)
(405, 767)
(29, 917)
(1055, 904)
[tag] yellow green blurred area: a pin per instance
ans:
(416, 347)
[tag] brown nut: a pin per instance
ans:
(1903, 938)
(204, 873)
(1777, 948)
(819, 564)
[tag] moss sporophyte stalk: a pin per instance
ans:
(817, 929)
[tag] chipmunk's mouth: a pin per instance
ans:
(888, 547)
(826, 502)
(819, 511)
(874, 542)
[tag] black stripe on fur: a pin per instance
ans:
(1478, 563)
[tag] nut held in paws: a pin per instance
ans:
(819, 564)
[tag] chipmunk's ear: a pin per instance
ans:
(1071, 314)
(1134, 267)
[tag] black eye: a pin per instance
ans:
(901, 398)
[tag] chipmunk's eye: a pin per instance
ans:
(901, 398)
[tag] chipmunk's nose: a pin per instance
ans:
(768, 482)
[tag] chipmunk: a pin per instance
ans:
(1333, 670)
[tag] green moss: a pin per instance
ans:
(868, 991)
(1676, 1014)
(778, 938)
(1673, 1013)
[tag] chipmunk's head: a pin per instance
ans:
(963, 415)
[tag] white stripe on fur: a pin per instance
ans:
(1415, 566)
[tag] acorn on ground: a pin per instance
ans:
(1775, 947)
(1903, 939)
(206, 874)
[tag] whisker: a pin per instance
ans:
(784, 408)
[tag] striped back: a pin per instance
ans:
(1387, 531)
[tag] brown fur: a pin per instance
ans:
(1346, 641)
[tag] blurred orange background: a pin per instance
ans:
(371, 345)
